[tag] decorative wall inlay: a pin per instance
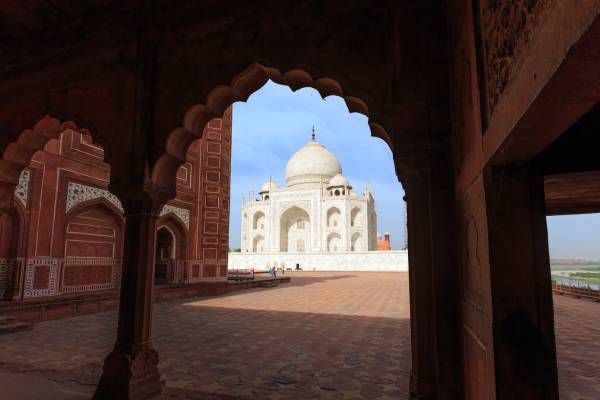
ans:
(91, 263)
(34, 264)
(508, 27)
(5, 271)
(78, 193)
(180, 271)
(22, 189)
(182, 213)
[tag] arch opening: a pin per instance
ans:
(258, 220)
(334, 242)
(294, 230)
(333, 217)
(165, 255)
(239, 89)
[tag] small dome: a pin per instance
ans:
(268, 186)
(338, 180)
(310, 165)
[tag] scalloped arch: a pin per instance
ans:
(240, 89)
(17, 154)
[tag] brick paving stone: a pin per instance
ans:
(324, 335)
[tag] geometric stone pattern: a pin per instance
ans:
(204, 270)
(34, 266)
(22, 189)
(180, 271)
(323, 335)
(5, 271)
(182, 213)
(89, 263)
(78, 193)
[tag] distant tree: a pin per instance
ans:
(235, 250)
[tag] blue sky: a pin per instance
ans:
(574, 236)
(275, 122)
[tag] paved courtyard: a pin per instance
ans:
(324, 335)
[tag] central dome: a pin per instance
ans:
(311, 165)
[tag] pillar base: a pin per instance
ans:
(129, 376)
(418, 389)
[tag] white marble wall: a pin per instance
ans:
(339, 261)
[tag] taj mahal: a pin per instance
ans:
(316, 221)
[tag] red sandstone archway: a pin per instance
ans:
(92, 247)
(239, 89)
(19, 153)
(170, 268)
(92, 214)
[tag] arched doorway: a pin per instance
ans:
(258, 221)
(258, 244)
(171, 251)
(333, 217)
(165, 255)
(294, 230)
(92, 247)
(334, 242)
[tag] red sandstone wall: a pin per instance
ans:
(487, 42)
(65, 248)
(213, 222)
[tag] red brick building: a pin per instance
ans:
(384, 244)
(69, 226)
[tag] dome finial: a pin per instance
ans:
(313, 133)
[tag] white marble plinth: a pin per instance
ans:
(322, 261)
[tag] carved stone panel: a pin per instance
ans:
(40, 277)
(22, 189)
(78, 193)
(508, 27)
(182, 213)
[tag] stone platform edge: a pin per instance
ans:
(50, 308)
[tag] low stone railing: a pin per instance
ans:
(241, 274)
(576, 291)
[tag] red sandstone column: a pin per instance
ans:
(523, 315)
(423, 371)
(131, 369)
(433, 282)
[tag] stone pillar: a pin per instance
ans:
(6, 257)
(433, 282)
(7, 238)
(523, 315)
(131, 369)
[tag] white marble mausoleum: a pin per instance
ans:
(317, 220)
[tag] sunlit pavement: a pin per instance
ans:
(324, 335)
